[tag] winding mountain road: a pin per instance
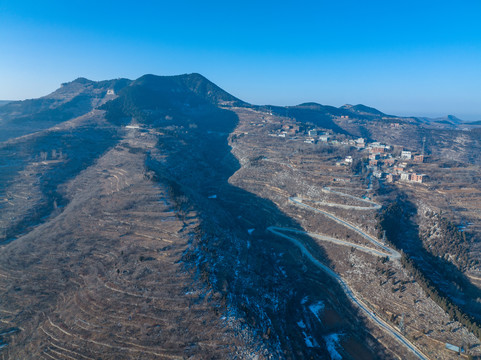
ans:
(392, 254)
(332, 240)
(374, 205)
(395, 255)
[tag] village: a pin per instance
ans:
(317, 163)
(389, 163)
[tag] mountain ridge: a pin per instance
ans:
(146, 221)
(194, 82)
(448, 119)
(362, 109)
(78, 97)
(5, 102)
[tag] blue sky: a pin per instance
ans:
(403, 57)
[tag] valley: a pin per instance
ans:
(164, 218)
(304, 181)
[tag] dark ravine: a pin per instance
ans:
(129, 222)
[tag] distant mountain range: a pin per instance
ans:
(449, 119)
(474, 122)
(4, 102)
(362, 110)
(129, 192)
(159, 93)
(71, 100)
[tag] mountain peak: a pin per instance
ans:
(447, 120)
(454, 119)
(79, 80)
(310, 105)
(362, 109)
(187, 83)
(82, 80)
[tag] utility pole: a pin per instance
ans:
(424, 145)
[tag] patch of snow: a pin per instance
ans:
(304, 300)
(332, 343)
(301, 324)
(310, 341)
(192, 292)
(213, 197)
(250, 231)
(316, 309)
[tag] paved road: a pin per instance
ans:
(332, 240)
(393, 253)
(473, 277)
(374, 205)
(397, 335)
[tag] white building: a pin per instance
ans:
(405, 176)
(378, 173)
(407, 155)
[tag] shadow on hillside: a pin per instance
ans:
(264, 275)
(446, 277)
(66, 153)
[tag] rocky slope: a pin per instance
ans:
(134, 219)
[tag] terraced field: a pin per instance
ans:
(105, 279)
(203, 231)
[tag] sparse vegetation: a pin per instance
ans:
(150, 241)
(392, 220)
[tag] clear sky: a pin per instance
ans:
(404, 57)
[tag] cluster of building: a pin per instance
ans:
(407, 177)
(312, 136)
(287, 129)
(385, 165)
